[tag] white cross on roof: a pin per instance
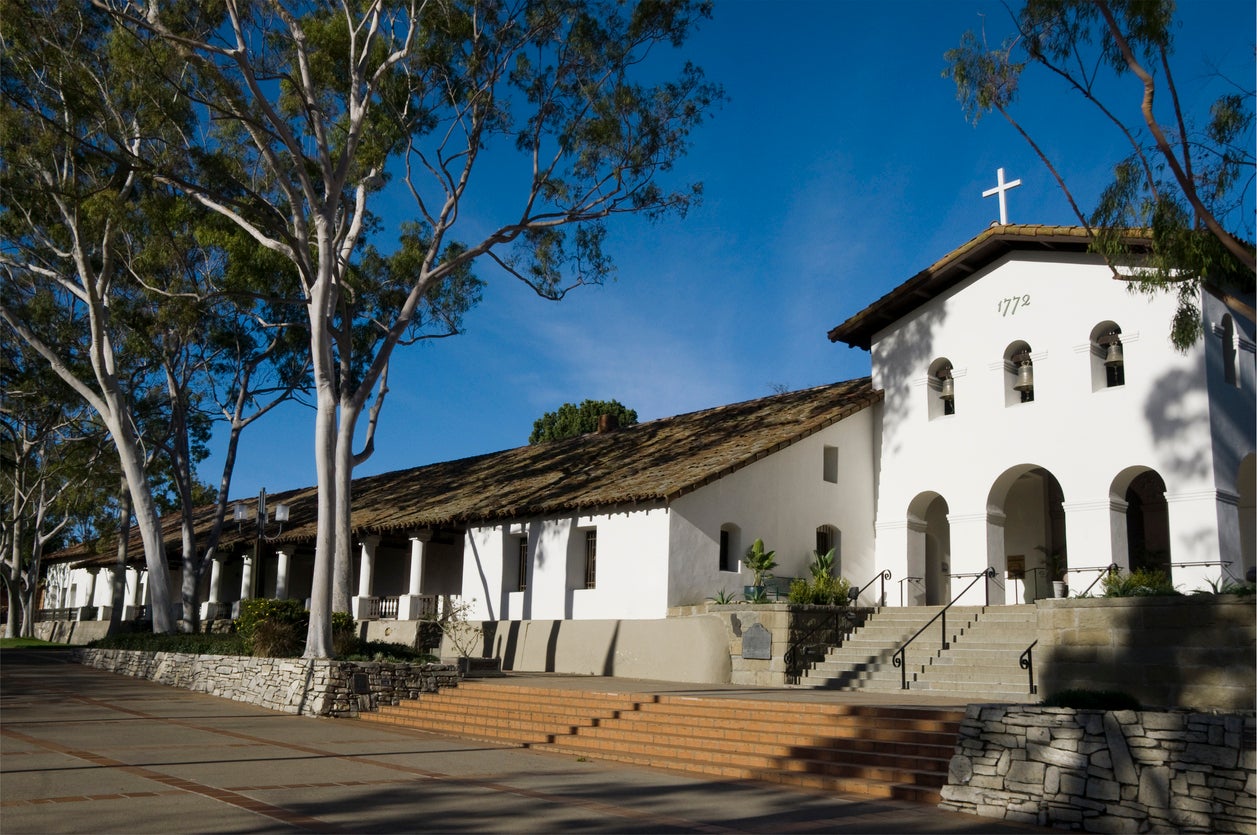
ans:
(1001, 189)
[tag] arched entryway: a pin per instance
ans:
(1026, 526)
(929, 551)
(1147, 518)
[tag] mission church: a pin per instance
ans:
(1025, 414)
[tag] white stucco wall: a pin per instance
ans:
(781, 499)
(631, 576)
(1160, 418)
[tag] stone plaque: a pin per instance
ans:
(757, 642)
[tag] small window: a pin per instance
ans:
(591, 558)
(729, 548)
(826, 538)
(1018, 374)
(521, 548)
(830, 466)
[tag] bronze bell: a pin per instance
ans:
(948, 390)
(1114, 355)
(1025, 377)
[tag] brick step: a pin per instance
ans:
(674, 754)
(790, 734)
(871, 789)
(873, 751)
(878, 753)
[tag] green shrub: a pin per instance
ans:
(278, 639)
(344, 635)
(196, 643)
(823, 590)
(257, 610)
(1142, 582)
(1082, 699)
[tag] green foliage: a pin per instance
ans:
(822, 590)
(265, 624)
(278, 638)
(761, 562)
(822, 565)
(1083, 699)
(1242, 588)
(723, 598)
(1184, 187)
(570, 420)
(757, 595)
(1142, 582)
(195, 643)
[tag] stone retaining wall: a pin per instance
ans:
(315, 687)
(1196, 651)
(1097, 771)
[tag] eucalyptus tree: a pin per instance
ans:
(1188, 177)
(53, 457)
(68, 197)
(310, 110)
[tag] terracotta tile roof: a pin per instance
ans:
(958, 265)
(650, 463)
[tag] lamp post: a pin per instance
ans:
(261, 516)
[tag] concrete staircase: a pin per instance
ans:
(982, 662)
(874, 751)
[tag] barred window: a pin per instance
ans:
(523, 563)
(591, 558)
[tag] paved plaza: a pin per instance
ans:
(83, 750)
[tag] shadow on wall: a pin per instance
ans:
(912, 350)
(1197, 651)
(1177, 409)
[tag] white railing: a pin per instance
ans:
(386, 607)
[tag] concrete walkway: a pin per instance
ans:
(83, 750)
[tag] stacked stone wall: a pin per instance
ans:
(1097, 771)
(315, 687)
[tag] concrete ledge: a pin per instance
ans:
(1197, 651)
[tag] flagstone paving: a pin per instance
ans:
(82, 750)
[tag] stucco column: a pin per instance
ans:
(362, 604)
(92, 574)
(283, 562)
(132, 609)
(892, 552)
(977, 542)
(216, 580)
(410, 605)
(1095, 536)
(1194, 519)
(211, 608)
(246, 577)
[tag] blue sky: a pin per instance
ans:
(840, 165)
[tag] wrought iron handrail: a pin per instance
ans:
(899, 659)
(832, 620)
(907, 580)
(883, 575)
(1111, 568)
(1027, 663)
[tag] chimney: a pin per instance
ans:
(607, 423)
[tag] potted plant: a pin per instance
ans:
(1055, 560)
(761, 564)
